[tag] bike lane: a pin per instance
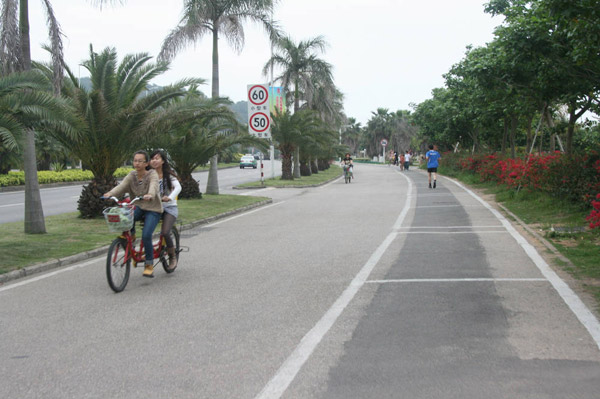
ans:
(461, 310)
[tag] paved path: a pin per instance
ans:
(377, 289)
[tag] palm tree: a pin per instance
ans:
(26, 103)
(216, 17)
(290, 131)
(15, 56)
(199, 129)
(118, 116)
(300, 69)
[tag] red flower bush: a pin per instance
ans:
(594, 216)
(574, 178)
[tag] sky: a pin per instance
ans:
(384, 53)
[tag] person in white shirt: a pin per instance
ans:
(407, 157)
(169, 190)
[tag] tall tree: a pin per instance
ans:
(216, 17)
(15, 55)
(300, 68)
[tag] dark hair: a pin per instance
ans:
(166, 168)
(144, 153)
(431, 146)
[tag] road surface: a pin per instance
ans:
(381, 288)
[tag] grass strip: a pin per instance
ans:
(305, 181)
(67, 234)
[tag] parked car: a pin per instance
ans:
(247, 161)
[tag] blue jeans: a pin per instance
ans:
(151, 220)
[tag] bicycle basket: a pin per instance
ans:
(118, 219)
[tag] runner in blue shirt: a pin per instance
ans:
(433, 158)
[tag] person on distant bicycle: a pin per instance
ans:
(169, 190)
(141, 182)
(347, 164)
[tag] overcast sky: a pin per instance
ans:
(385, 53)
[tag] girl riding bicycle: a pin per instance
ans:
(347, 164)
(141, 182)
(169, 190)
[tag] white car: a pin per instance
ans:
(247, 160)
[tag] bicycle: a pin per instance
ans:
(122, 250)
(347, 174)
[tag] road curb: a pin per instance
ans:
(71, 259)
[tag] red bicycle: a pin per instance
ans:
(122, 250)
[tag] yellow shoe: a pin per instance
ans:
(149, 270)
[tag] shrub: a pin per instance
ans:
(47, 176)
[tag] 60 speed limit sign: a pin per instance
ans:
(259, 122)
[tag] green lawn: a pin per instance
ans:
(67, 234)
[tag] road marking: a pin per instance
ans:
(261, 190)
(262, 208)
(454, 280)
(292, 365)
(454, 232)
(4, 206)
(452, 227)
(54, 273)
(585, 316)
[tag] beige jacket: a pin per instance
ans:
(137, 188)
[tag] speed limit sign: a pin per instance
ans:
(258, 94)
(259, 122)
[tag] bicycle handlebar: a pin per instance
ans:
(121, 203)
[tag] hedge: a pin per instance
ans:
(45, 176)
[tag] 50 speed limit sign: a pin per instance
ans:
(259, 122)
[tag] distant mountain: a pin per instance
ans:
(240, 108)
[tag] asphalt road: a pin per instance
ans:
(59, 200)
(381, 288)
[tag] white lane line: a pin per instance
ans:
(292, 365)
(454, 280)
(585, 316)
(5, 206)
(243, 214)
(260, 190)
(54, 273)
(454, 232)
(453, 227)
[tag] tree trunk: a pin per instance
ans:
(34, 213)
(90, 205)
(286, 166)
(189, 188)
(529, 132)
(212, 184)
(514, 122)
(314, 165)
(305, 169)
(504, 136)
(297, 163)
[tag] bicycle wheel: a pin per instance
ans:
(118, 265)
(163, 255)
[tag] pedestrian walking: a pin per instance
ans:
(402, 159)
(433, 158)
(407, 158)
